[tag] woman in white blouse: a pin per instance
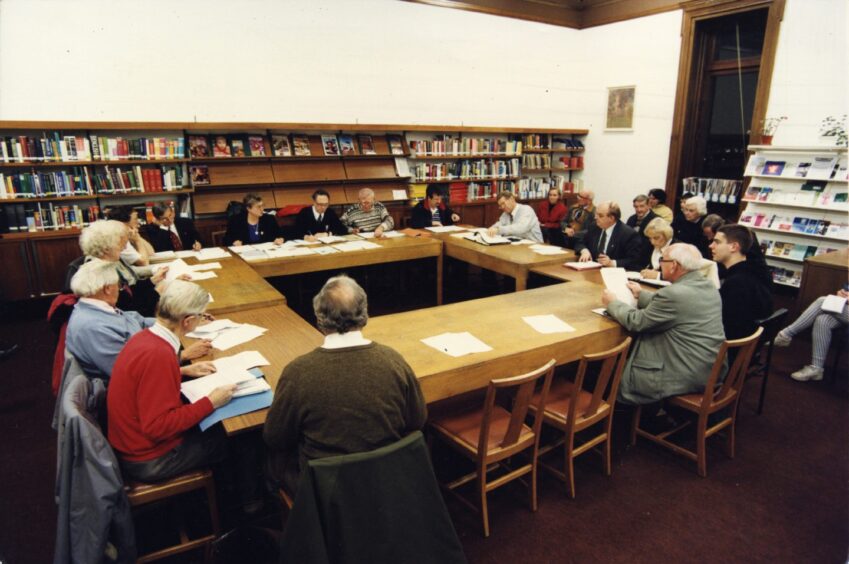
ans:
(659, 233)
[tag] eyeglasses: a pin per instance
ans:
(202, 316)
(666, 260)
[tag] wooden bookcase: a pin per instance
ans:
(38, 259)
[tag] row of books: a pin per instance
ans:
(536, 142)
(142, 148)
(800, 225)
(73, 182)
(284, 145)
(816, 168)
(534, 188)
(795, 251)
(19, 218)
(566, 144)
(78, 181)
(786, 276)
(115, 180)
(226, 146)
(569, 163)
(713, 189)
(75, 148)
(448, 145)
(812, 193)
(459, 192)
(466, 169)
(536, 160)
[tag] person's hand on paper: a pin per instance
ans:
(159, 275)
(436, 224)
(455, 218)
(492, 231)
(198, 369)
(186, 276)
(222, 395)
(604, 260)
(197, 246)
(586, 256)
(310, 238)
(355, 230)
(279, 241)
(649, 274)
(635, 289)
(569, 231)
(378, 233)
(197, 349)
(607, 296)
(237, 243)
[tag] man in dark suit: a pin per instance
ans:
(318, 219)
(432, 211)
(171, 233)
(638, 222)
(611, 242)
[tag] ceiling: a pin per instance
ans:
(576, 14)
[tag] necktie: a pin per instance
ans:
(320, 218)
(175, 241)
(602, 242)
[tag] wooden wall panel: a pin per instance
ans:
(50, 259)
(308, 170)
(216, 202)
(294, 195)
(370, 168)
(239, 174)
(17, 280)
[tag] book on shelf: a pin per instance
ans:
(198, 147)
(220, 147)
(802, 170)
(837, 230)
(346, 145)
(48, 148)
(366, 145)
(34, 217)
(237, 146)
(141, 148)
(199, 175)
(773, 168)
(75, 181)
(301, 143)
(280, 146)
(755, 165)
(256, 146)
(330, 145)
(822, 168)
(395, 145)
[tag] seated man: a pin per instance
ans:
(318, 219)
(610, 242)
(579, 218)
(170, 233)
(349, 395)
(517, 220)
(642, 215)
(678, 330)
(432, 211)
(367, 215)
(97, 330)
(152, 431)
(550, 213)
(746, 295)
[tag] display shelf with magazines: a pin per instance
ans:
(796, 200)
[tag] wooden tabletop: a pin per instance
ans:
(238, 287)
(497, 321)
(565, 274)
(835, 259)
(287, 338)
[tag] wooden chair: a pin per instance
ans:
(762, 357)
(491, 435)
(715, 398)
(218, 238)
(140, 494)
(571, 409)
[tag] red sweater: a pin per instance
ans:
(551, 216)
(146, 416)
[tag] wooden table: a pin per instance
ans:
(395, 249)
(822, 275)
(497, 321)
(287, 338)
(237, 287)
(510, 260)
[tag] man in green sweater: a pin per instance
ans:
(349, 395)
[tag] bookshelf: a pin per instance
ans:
(796, 202)
(113, 163)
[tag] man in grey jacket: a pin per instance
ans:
(679, 330)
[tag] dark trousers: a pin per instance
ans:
(198, 449)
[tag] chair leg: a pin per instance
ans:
(608, 470)
(763, 391)
(533, 487)
(482, 495)
(213, 507)
(730, 438)
(701, 446)
(635, 423)
(569, 467)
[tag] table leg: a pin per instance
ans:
(439, 280)
(521, 281)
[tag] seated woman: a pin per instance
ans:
(153, 432)
(137, 251)
(823, 322)
(252, 225)
(98, 330)
(688, 227)
(659, 233)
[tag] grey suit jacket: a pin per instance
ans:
(679, 332)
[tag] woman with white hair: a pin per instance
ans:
(688, 226)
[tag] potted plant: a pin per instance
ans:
(768, 128)
(835, 127)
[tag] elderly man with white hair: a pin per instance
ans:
(98, 330)
(349, 395)
(679, 330)
(367, 215)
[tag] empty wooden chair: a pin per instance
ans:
(717, 397)
(571, 409)
(762, 357)
(492, 434)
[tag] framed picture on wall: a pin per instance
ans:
(620, 108)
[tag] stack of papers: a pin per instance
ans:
(547, 249)
(386, 234)
(212, 253)
(444, 228)
(199, 388)
(547, 324)
(226, 334)
(484, 239)
(590, 264)
(196, 272)
(356, 246)
(833, 304)
(457, 344)
(616, 280)
(241, 404)
(331, 239)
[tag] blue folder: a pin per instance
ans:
(239, 406)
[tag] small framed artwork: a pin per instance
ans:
(620, 108)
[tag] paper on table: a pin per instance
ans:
(206, 266)
(232, 337)
(203, 331)
(240, 249)
(203, 275)
(176, 268)
(356, 246)
(164, 255)
(833, 304)
(254, 254)
(212, 253)
(444, 228)
(547, 250)
(185, 253)
(548, 324)
(197, 388)
(457, 344)
(243, 361)
(616, 280)
(525, 242)
(324, 250)
(240, 405)
(590, 264)
(602, 311)
(284, 252)
(255, 386)
(331, 239)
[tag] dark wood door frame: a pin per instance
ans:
(686, 106)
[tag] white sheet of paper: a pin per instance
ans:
(833, 304)
(400, 194)
(161, 255)
(457, 344)
(212, 253)
(176, 268)
(185, 253)
(243, 361)
(198, 388)
(444, 228)
(602, 311)
(324, 250)
(254, 254)
(331, 239)
(203, 275)
(356, 246)
(240, 249)
(547, 249)
(232, 337)
(546, 324)
(616, 280)
(203, 331)
(255, 386)
(283, 252)
(206, 266)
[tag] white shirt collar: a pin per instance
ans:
(343, 340)
(172, 228)
(315, 213)
(99, 304)
(166, 335)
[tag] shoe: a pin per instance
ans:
(809, 372)
(781, 340)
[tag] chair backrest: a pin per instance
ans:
(607, 385)
(771, 326)
(522, 387)
(730, 388)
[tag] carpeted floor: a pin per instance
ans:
(782, 499)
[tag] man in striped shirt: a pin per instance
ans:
(367, 215)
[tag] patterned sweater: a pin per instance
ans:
(370, 220)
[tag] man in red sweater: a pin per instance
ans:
(150, 428)
(550, 213)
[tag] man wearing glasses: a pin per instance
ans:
(679, 330)
(579, 218)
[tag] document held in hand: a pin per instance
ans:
(616, 280)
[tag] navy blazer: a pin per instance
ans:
(305, 223)
(237, 229)
(625, 245)
(160, 239)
